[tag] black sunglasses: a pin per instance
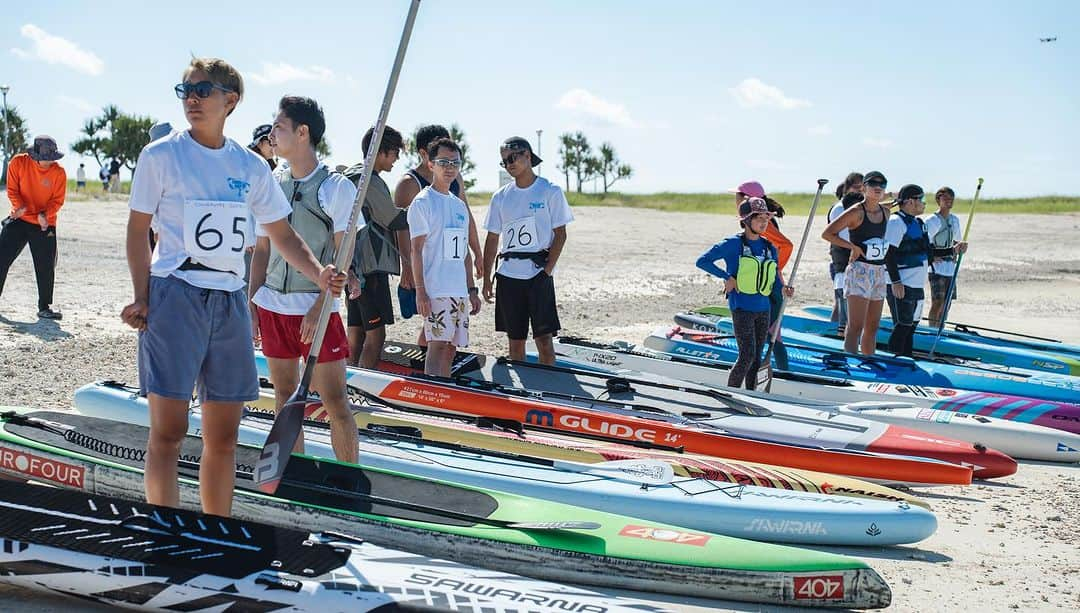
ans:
(510, 159)
(202, 89)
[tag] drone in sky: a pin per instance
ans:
(1048, 39)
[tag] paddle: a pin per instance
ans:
(290, 419)
(764, 374)
(956, 272)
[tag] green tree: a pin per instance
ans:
(574, 155)
(608, 167)
(114, 135)
(18, 137)
(322, 150)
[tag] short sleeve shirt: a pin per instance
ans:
(525, 220)
(444, 220)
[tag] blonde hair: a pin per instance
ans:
(220, 72)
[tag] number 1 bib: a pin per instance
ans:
(455, 244)
(215, 228)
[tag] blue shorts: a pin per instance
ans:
(197, 337)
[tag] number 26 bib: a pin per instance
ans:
(215, 228)
(520, 235)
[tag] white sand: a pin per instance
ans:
(1011, 544)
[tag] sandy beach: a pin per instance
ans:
(1006, 545)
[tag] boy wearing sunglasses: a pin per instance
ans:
(285, 306)
(528, 218)
(439, 226)
(193, 318)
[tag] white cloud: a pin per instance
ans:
(76, 103)
(274, 74)
(56, 50)
(586, 103)
(877, 143)
(753, 93)
(822, 130)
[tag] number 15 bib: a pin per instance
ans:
(215, 228)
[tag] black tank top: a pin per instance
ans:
(873, 233)
(455, 187)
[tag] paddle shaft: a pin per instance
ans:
(791, 281)
(956, 271)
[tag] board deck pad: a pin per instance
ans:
(124, 443)
(200, 544)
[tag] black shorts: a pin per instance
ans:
(519, 301)
(373, 308)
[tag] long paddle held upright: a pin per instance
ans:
(764, 376)
(290, 419)
(956, 272)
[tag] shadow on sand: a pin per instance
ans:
(44, 329)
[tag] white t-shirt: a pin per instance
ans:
(934, 224)
(80, 174)
(834, 213)
(200, 199)
(444, 220)
(894, 233)
(336, 197)
(525, 220)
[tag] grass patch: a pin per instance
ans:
(796, 204)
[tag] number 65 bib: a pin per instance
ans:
(215, 228)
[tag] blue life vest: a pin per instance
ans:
(914, 248)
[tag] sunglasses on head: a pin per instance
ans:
(510, 159)
(444, 162)
(879, 184)
(202, 89)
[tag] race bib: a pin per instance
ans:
(215, 229)
(520, 235)
(876, 248)
(455, 244)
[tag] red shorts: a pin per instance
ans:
(281, 337)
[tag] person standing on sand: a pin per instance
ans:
(376, 255)
(528, 216)
(905, 261)
(285, 306)
(838, 256)
(751, 275)
(783, 245)
(193, 318)
(439, 224)
(80, 178)
(114, 176)
(865, 278)
(36, 187)
(414, 180)
(944, 230)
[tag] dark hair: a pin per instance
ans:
(304, 110)
(425, 135)
(442, 143)
(774, 207)
(391, 140)
(944, 191)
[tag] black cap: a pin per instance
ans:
(516, 143)
(260, 133)
(909, 191)
(874, 176)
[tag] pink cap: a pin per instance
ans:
(750, 188)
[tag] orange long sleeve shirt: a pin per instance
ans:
(40, 190)
(782, 243)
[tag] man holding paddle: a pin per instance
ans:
(189, 306)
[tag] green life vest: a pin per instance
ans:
(756, 273)
(943, 238)
(313, 225)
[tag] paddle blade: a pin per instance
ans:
(279, 444)
(556, 525)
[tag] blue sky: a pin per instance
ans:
(696, 96)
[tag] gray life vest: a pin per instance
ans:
(313, 225)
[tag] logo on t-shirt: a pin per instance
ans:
(458, 217)
(242, 187)
(536, 206)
